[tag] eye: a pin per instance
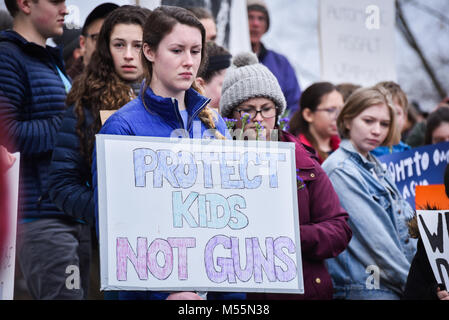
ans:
(176, 51)
(196, 51)
(385, 124)
(368, 121)
(138, 46)
(118, 45)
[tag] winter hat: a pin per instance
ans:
(246, 79)
(259, 5)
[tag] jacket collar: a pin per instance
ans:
(51, 54)
(167, 108)
(374, 164)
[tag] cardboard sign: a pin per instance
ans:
(357, 41)
(434, 230)
(7, 262)
(198, 215)
(418, 166)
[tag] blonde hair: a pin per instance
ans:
(361, 100)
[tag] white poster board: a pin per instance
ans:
(357, 41)
(198, 215)
(433, 228)
(7, 262)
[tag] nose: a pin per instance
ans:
(375, 129)
(129, 53)
(188, 59)
(258, 117)
(64, 10)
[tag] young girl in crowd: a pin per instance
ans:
(211, 77)
(376, 263)
(250, 88)
(106, 84)
(315, 123)
(173, 51)
(437, 128)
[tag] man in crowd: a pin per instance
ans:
(259, 22)
(89, 35)
(33, 88)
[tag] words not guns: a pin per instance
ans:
(275, 262)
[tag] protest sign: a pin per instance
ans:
(419, 166)
(357, 41)
(7, 261)
(434, 231)
(198, 215)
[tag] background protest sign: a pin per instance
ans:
(433, 228)
(7, 262)
(198, 215)
(357, 41)
(419, 166)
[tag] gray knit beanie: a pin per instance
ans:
(245, 79)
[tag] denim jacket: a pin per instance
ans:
(376, 263)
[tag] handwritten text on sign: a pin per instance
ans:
(209, 217)
(434, 231)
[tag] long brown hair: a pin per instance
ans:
(99, 87)
(160, 23)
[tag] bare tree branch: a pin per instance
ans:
(411, 40)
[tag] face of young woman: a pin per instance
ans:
(176, 61)
(441, 133)
(370, 128)
(266, 118)
(125, 44)
(323, 121)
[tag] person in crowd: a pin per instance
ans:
(315, 122)
(208, 21)
(174, 45)
(437, 126)
(259, 23)
(89, 35)
(400, 103)
(106, 84)
(250, 88)
(211, 77)
(33, 88)
(69, 42)
(421, 283)
(5, 20)
(346, 89)
(376, 263)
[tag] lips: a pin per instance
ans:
(186, 75)
(128, 67)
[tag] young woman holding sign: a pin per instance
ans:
(376, 263)
(252, 97)
(173, 52)
(106, 84)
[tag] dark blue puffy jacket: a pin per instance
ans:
(70, 180)
(159, 120)
(32, 104)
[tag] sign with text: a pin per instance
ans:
(419, 166)
(198, 215)
(7, 261)
(434, 231)
(357, 41)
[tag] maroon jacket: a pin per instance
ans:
(324, 230)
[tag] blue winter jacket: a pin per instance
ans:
(376, 263)
(32, 103)
(285, 74)
(70, 178)
(159, 117)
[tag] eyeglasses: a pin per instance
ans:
(333, 111)
(265, 112)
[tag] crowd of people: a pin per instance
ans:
(140, 72)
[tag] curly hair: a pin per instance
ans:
(99, 87)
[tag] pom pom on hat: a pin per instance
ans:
(247, 79)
